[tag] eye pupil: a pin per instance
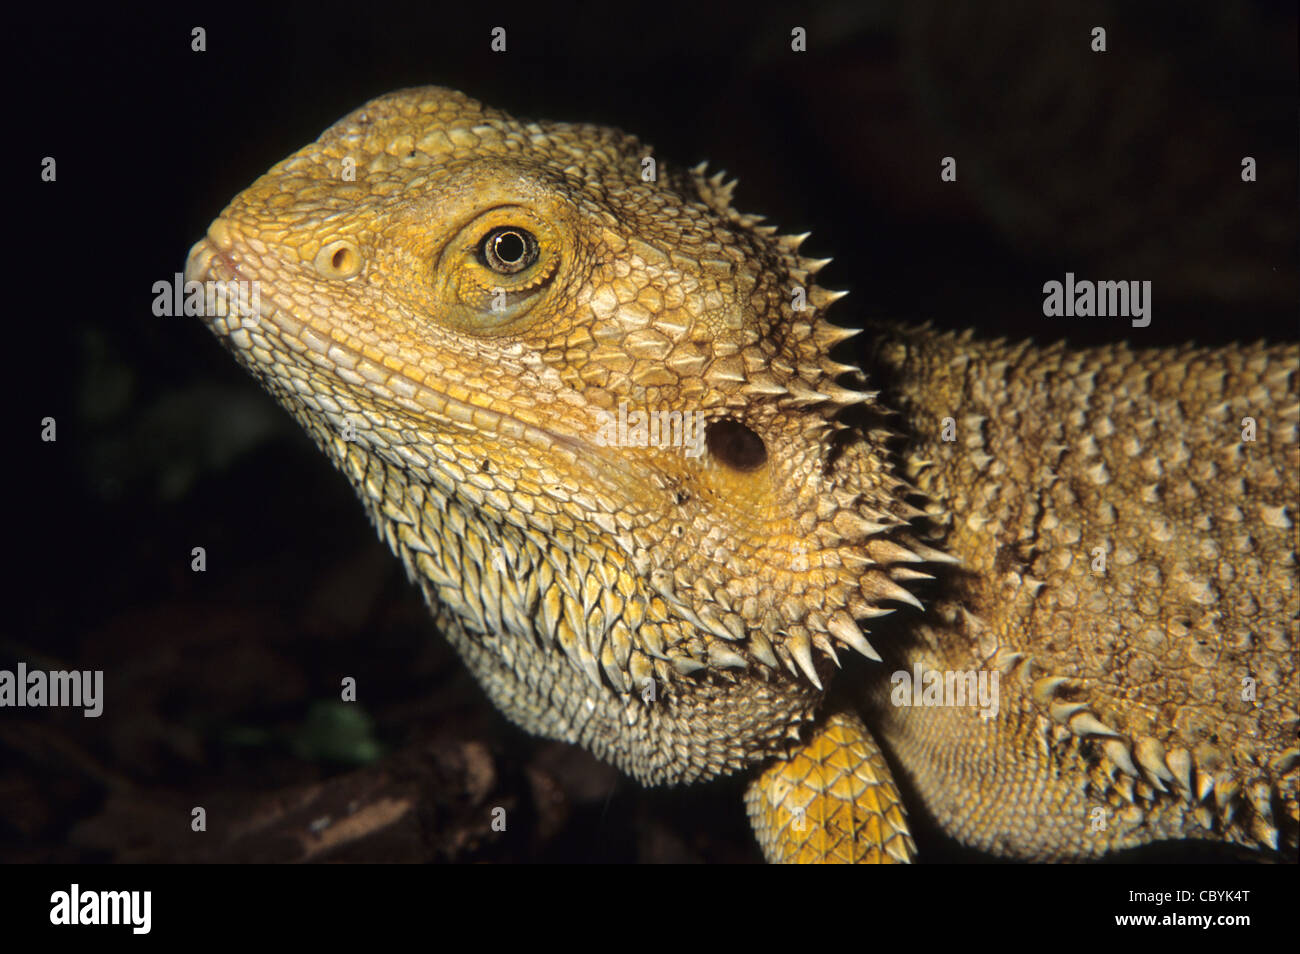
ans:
(509, 247)
(508, 250)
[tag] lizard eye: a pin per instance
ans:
(490, 274)
(508, 250)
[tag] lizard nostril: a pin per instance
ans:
(338, 259)
(735, 445)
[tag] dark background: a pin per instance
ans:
(1123, 165)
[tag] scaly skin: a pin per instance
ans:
(1128, 564)
(449, 300)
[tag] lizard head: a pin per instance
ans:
(589, 403)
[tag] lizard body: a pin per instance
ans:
(455, 303)
(1128, 565)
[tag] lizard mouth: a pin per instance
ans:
(208, 261)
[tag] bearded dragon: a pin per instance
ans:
(455, 304)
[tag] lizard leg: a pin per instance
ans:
(831, 800)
